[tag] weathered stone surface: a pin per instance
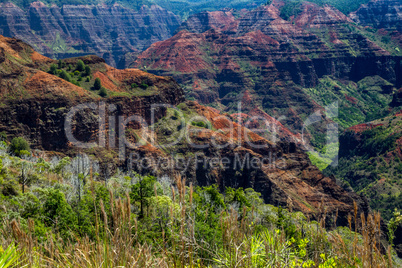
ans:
(109, 31)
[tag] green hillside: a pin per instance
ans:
(62, 213)
(370, 162)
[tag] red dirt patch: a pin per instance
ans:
(363, 127)
(42, 83)
(350, 99)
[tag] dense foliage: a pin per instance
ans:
(73, 215)
(293, 7)
(369, 163)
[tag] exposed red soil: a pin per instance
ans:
(363, 127)
(350, 99)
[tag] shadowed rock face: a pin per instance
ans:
(34, 104)
(220, 60)
(109, 31)
(380, 14)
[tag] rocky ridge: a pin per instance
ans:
(40, 118)
(109, 31)
(272, 59)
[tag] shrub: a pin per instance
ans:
(18, 146)
(77, 73)
(103, 92)
(87, 70)
(134, 85)
(80, 66)
(53, 69)
(76, 83)
(200, 124)
(64, 75)
(97, 84)
(144, 86)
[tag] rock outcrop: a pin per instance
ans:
(380, 14)
(35, 104)
(109, 31)
(271, 58)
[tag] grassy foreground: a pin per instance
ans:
(63, 213)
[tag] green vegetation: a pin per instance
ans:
(71, 217)
(80, 66)
(358, 102)
(293, 7)
(64, 75)
(182, 8)
(19, 146)
(97, 84)
(103, 92)
(369, 163)
(290, 8)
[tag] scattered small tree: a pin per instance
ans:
(64, 75)
(53, 69)
(97, 84)
(103, 92)
(80, 66)
(19, 146)
(87, 70)
(143, 191)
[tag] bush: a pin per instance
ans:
(53, 69)
(77, 73)
(87, 70)
(18, 146)
(134, 85)
(76, 83)
(80, 66)
(103, 92)
(144, 86)
(97, 84)
(64, 75)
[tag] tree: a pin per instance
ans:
(103, 92)
(27, 176)
(143, 191)
(97, 84)
(82, 167)
(56, 211)
(80, 66)
(87, 70)
(19, 146)
(64, 75)
(53, 69)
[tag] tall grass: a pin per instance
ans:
(248, 240)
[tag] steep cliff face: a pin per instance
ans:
(109, 31)
(370, 163)
(34, 104)
(380, 14)
(274, 60)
